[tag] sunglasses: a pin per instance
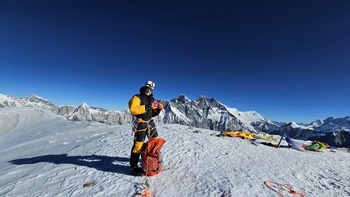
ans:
(148, 91)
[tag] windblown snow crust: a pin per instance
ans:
(45, 155)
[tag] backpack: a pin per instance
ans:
(152, 162)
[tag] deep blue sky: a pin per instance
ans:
(288, 60)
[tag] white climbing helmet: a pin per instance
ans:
(150, 84)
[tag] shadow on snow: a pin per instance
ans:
(102, 163)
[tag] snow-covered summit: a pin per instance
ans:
(29, 101)
(335, 124)
(316, 123)
(294, 125)
(32, 98)
(206, 112)
(8, 101)
(181, 99)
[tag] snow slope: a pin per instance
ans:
(43, 154)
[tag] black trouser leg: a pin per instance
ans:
(134, 159)
(139, 138)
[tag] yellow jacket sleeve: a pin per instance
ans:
(135, 106)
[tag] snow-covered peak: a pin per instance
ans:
(32, 98)
(329, 119)
(316, 123)
(3, 97)
(335, 124)
(84, 105)
(207, 112)
(83, 108)
(204, 98)
(35, 98)
(83, 112)
(293, 125)
(181, 99)
(204, 101)
(29, 101)
(8, 101)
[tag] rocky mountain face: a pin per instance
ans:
(211, 114)
(202, 113)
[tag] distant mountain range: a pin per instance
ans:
(202, 113)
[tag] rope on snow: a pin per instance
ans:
(284, 186)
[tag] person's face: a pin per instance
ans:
(148, 91)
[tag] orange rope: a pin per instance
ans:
(146, 193)
(146, 172)
(284, 186)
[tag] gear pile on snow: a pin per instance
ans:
(152, 163)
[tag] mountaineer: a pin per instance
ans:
(144, 107)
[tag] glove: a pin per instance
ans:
(156, 105)
(160, 106)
